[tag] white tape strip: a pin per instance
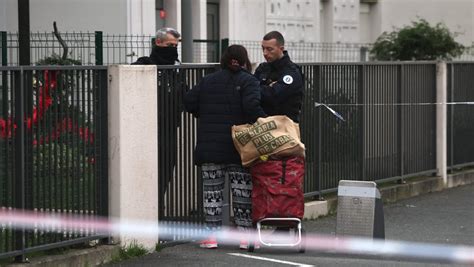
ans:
(11, 219)
(316, 104)
(339, 116)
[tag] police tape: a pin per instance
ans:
(339, 116)
(56, 222)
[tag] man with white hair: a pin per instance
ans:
(170, 95)
(166, 50)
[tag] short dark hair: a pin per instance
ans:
(238, 53)
(275, 35)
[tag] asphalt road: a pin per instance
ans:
(445, 217)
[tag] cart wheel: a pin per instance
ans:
(302, 246)
(251, 247)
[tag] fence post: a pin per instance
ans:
(441, 121)
(361, 99)
(400, 141)
(20, 155)
(224, 45)
(363, 53)
(99, 45)
(3, 44)
(133, 148)
(318, 79)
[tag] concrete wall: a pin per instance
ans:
(109, 16)
(242, 19)
(173, 11)
(458, 15)
(298, 20)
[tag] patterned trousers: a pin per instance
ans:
(214, 177)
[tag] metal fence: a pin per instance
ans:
(56, 158)
(90, 48)
(97, 48)
(313, 52)
(53, 151)
(388, 134)
(460, 117)
(180, 186)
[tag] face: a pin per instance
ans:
(272, 50)
(170, 41)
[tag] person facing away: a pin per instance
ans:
(222, 99)
(170, 95)
(281, 80)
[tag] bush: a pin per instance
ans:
(420, 41)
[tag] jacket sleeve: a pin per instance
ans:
(191, 100)
(251, 99)
(290, 83)
(143, 61)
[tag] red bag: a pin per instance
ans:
(278, 188)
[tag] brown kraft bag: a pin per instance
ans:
(275, 136)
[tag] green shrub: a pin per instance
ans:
(419, 41)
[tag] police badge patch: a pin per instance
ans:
(288, 79)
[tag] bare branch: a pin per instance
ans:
(61, 41)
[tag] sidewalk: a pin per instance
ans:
(445, 217)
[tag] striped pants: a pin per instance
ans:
(214, 177)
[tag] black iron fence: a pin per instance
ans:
(98, 48)
(180, 186)
(389, 132)
(53, 151)
(385, 135)
(313, 52)
(461, 116)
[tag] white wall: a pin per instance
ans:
(458, 15)
(365, 23)
(297, 20)
(326, 21)
(173, 14)
(109, 16)
(140, 17)
(242, 19)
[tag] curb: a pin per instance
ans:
(393, 193)
(76, 257)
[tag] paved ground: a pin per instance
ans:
(445, 218)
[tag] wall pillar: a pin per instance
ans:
(133, 148)
(441, 120)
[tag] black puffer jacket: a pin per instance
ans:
(220, 100)
(284, 97)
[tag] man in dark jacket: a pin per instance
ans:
(170, 94)
(166, 50)
(280, 79)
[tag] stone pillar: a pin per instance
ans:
(133, 148)
(441, 121)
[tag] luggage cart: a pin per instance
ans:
(278, 201)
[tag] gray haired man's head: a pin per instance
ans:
(165, 33)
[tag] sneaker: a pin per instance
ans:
(208, 243)
(244, 244)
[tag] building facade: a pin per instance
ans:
(301, 21)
